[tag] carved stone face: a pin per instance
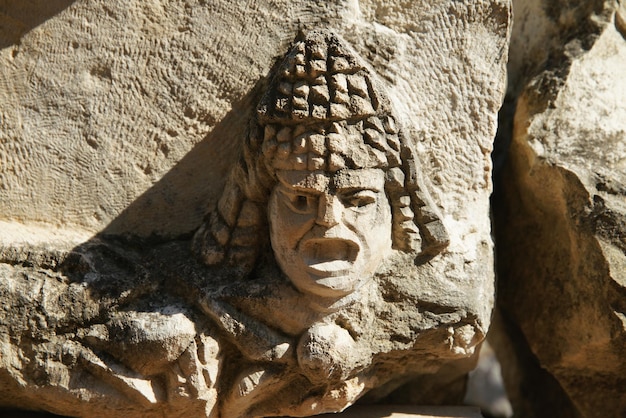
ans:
(330, 231)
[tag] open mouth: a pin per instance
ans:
(329, 256)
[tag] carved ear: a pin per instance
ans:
(230, 234)
(434, 235)
(417, 226)
(417, 223)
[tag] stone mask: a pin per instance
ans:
(330, 231)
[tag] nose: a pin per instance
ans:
(329, 211)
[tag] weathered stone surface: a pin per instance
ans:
(561, 226)
(394, 411)
(366, 411)
(359, 137)
(531, 390)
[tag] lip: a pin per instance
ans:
(329, 257)
(329, 269)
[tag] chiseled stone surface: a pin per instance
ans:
(365, 411)
(289, 202)
(561, 247)
(395, 411)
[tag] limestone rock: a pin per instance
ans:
(395, 411)
(562, 225)
(221, 209)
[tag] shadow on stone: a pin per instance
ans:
(19, 17)
(179, 200)
(11, 413)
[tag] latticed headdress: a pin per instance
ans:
(324, 110)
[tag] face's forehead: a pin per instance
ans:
(366, 178)
(321, 181)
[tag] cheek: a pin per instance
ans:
(287, 227)
(383, 213)
(375, 225)
(373, 218)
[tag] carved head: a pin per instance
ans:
(327, 167)
(330, 230)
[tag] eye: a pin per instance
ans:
(359, 198)
(299, 203)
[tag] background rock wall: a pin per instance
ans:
(560, 212)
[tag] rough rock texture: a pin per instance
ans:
(367, 124)
(395, 411)
(149, 82)
(562, 220)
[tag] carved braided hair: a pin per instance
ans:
(324, 110)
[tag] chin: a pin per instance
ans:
(328, 287)
(331, 295)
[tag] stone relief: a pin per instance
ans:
(328, 166)
(298, 307)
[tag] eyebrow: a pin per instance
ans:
(319, 181)
(291, 189)
(371, 179)
(306, 181)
